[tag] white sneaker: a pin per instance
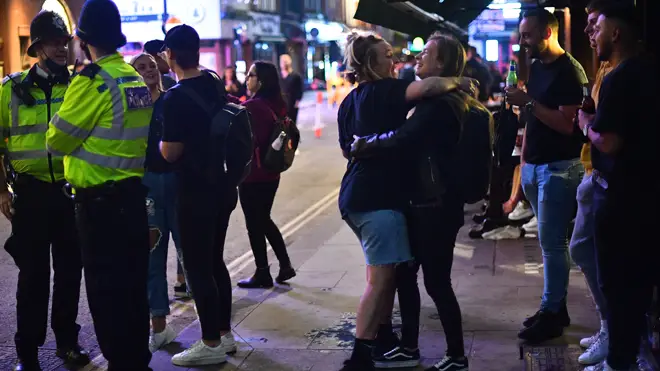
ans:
(603, 366)
(159, 340)
(532, 226)
(522, 211)
(229, 343)
(588, 342)
(508, 232)
(597, 352)
(199, 354)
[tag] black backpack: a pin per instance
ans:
(230, 139)
(474, 157)
(282, 146)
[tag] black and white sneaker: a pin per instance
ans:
(398, 358)
(450, 364)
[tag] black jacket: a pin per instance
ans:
(428, 141)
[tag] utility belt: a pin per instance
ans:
(108, 191)
(24, 180)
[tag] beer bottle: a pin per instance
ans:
(512, 77)
(588, 105)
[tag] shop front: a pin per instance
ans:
(324, 54)
(15, 18)
(266, 36)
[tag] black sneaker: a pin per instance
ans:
(398, 358)
(27, 366)
(562, 316)
(355, 365)
(450, 364)
(285, 274)
(75, 356)
(181, 291)
(547, 326)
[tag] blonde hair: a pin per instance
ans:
(151, 57)
(451, 54)
(360, 57)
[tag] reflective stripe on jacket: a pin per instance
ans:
(103, 125)
(24, 128)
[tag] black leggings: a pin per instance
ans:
(433, 237)
(257, 202)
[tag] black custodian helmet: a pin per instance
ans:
(46, 25)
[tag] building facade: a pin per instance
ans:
(15, 18)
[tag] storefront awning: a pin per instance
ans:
(459, 12)
(406, 17)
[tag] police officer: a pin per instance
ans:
(101, 130)
(40, 214)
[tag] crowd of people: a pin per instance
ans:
(102, 166)
(405, 217)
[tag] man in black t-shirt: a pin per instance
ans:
(153, 48)
(203, 208)
(292, 86)
(551, 168)
(624, 134)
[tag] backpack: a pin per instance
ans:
(230, 138)
(474, 157)
(282, 146)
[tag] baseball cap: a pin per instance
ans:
(154, 47)
(182, 38)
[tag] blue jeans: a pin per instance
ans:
(383, 235)
(162, 191)
(551, 190)
(583, 245)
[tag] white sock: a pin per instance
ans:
(603, 326)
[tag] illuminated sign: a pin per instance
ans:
(142, 20)
(417, 45)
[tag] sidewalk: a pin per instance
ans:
(309, 325)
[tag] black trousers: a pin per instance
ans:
(433, 237)
(115, 243)
(44, 217)
(627, 269)
(203, 223)
(257, 203)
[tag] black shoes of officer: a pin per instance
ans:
(27, 366)
(75, 356)
(260, 280)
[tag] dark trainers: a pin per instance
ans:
(450, 364)
(27, 366)
(356, 365)
(181, 291)
(74, 356)
(260, 280)
(547, 326)
(286, 273)
(398, 358)
(563, 317)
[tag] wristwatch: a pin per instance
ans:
(529, 107)
(585, 130)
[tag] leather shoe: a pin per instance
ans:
(27, 366)
(74, 356)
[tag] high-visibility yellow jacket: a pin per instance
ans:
(24, 128)
(103, 124)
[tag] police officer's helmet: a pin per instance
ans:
(45, 26)
(100, 25)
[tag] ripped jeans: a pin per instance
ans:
(551, 190)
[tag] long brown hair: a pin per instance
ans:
(360, 57)
(451, 54)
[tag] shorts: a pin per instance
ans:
(383, 235)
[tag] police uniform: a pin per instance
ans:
(43, 215)
(101, 130)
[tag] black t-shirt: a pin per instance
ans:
(626, 107)
(293, 89)
(155, 162)
(374, 183)
(186, 122)
(553, 85)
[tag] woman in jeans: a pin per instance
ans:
(429, 140)
(159, 178)
(372, 197)
(257, 192)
